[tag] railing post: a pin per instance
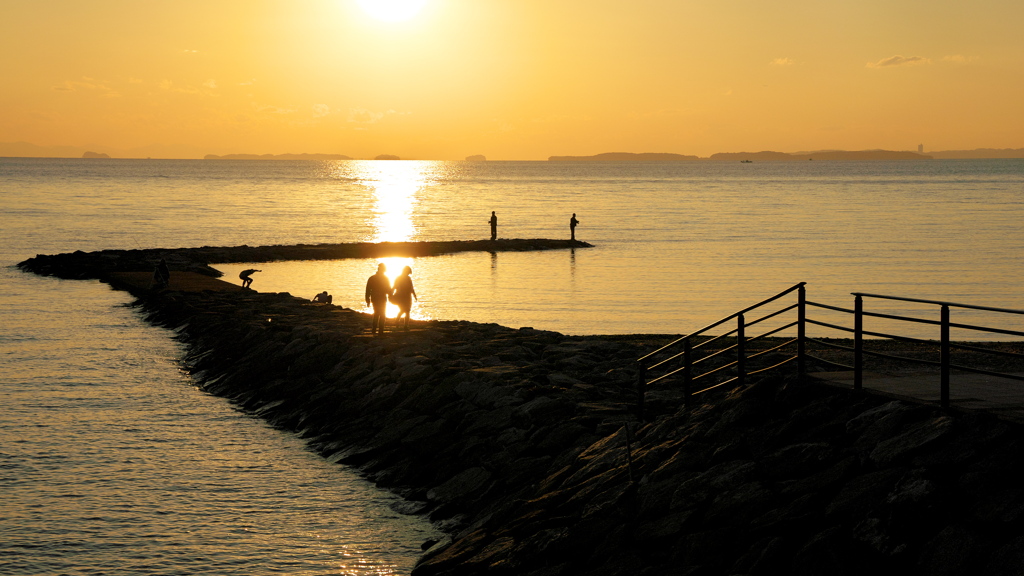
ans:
(944, 359)
(741, 369)
(687, 370)
(801, 319)
(858, 342)
(641, 388)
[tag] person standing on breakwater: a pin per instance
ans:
(403, 295)
(494, 226)
(246, 277)
(161, 275)
(378, 288)
(572, 226)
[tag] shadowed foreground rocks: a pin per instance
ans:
(522, 446)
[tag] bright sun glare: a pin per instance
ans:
(392, 10)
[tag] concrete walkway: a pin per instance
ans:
(1002, 396)
(180, 282)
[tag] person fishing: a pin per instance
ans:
(161, 274)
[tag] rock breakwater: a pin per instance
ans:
(82, 265)
(523, 446)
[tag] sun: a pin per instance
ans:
(392, 10)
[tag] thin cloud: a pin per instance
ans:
(958, 59)
(782, 62)
(87, 84)
(275, 109)
(898, 61)
(205, 89)
(321, 110)
(364, 116)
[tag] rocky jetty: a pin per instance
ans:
(99, 264)
(524, 447)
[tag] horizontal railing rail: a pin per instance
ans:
(946, 346)
(729, 362)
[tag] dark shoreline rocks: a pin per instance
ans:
(524, 447)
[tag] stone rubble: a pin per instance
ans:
(522, 445)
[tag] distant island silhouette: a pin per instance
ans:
(183, 152)
(765, 156)
(90, 154)
(979, 153)
(820, 155)
(387, 157)
(277, 157)
(476, 158)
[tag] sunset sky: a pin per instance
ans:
(512, 79)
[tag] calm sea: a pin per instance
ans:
(112, 462)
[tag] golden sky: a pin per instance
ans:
(513, 79)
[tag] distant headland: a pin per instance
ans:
(277, 157)
(765, 156)
(188, 152)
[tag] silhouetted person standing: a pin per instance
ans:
(162, 274)
(403, 295)
(246, 277)
(378, 288)
(494, 225)
(572, 226)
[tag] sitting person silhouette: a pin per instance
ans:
(403, 294)
(323, 298)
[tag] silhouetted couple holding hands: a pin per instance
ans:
(379, 291)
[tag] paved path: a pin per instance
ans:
(1001, 396)
(180, 281)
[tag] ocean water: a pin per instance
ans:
(111, 461)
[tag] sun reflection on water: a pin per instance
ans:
(394, 269)
(395, 186)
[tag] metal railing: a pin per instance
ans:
(944, 363)
(677, 360)
(732, 364)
